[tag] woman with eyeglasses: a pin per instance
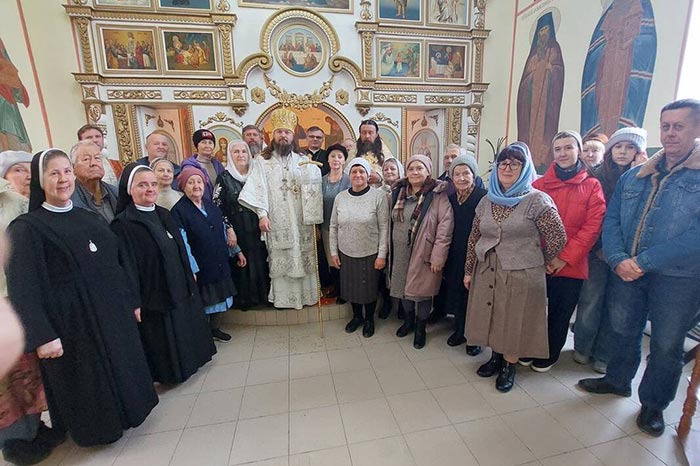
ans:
(516, 234)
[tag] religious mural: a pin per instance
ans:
(619, 68)
(398, 59)
(446, 61)
(334, 127)
(189, 51)
(129, 49)
(448, 12)
(299, 51)
(341, 6)
(540, 92)
(13, 134)
(399, 10)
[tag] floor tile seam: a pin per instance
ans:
(633, 437)
(340, 412)
(520, 439)
(624, 434)
(609, 418)
(454, 429)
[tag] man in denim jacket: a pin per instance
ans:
(651, 240)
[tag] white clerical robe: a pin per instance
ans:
(285, 193)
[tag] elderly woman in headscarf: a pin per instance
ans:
(421, 232)
(252, 281)
(79, 310)
(23, 437)
(453, 295)
(516, 233)
(205, 230)
(358, 243)
(164, 170)
(174, 329)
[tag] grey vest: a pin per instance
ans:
(516, 240)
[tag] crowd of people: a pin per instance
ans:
(118, 287)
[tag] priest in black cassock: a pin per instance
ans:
(174, 329)
(66, 280)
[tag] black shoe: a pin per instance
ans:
(506, 378)
(602, 386)
(456, 339)
(24, 452)
(368, 328)
(651, 421)
(51, 437)
(473, 350)
(353, 325)
(340, 301)
(492, 366)
(436, 316)
(217, 334)
(409, 325)
(419, 336)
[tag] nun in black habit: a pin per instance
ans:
(66, 280)
(174, 329)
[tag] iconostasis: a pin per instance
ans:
(414, 66)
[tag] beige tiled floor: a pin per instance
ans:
(282, 396)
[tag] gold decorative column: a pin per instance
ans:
(367, 31)
(454, 125)
(82, 25)
(125, 127)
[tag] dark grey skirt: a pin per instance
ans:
(359, 280)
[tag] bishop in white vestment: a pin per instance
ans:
(287, 198)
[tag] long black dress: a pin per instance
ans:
(453, 295)
(174, 329)
(253, 280)
(66, 281)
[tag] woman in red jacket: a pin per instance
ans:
(581, 204)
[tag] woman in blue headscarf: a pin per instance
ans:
(517, 231)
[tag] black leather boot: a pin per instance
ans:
(25, 452)
(356, 318)
(368, 327)
(492, 366)
(409, 324)
(473, 350)
(651, 421)
(506, 378)
(419, 336)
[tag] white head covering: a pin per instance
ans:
(130, 181)
(9, 158)
(41, 165)
(398, 163)
(231, 167)
(358, 161)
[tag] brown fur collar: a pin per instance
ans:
(691, 163)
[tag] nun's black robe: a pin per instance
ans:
(174, 329)
(66, 280)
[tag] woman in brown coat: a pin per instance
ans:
(516, 233)
(420, 237)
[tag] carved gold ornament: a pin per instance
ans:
(480, 15)
(364, 96)
(299, 101)
(475, 114)
(89, 92)
(223, 6)
(257, 95)
(83, 25)
(444, 99)
(385, 119)
(454, 124)
(225, 31)
(365, 10)
(199, 95)
(237, 95)
(342, 96)
(94, 112)
(135, 94)
(123, 130)
(219, 117)
(396, 98)
(362, 109)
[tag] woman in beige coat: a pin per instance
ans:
(420, 237)
(516, 233)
